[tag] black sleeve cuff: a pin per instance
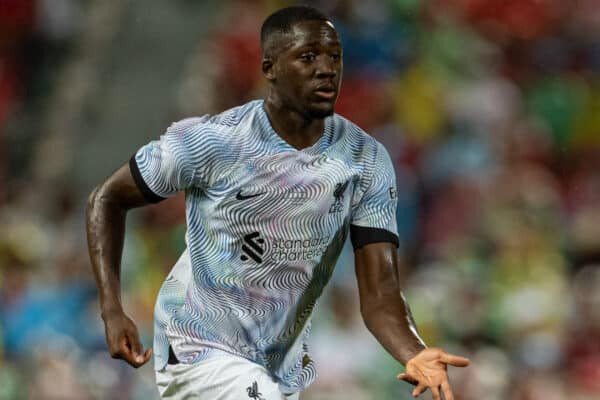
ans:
(362, 236)
(149, 195)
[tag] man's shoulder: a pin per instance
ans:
(352, 134)
(220, 124)
(234, 116)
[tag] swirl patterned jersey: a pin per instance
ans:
(265, 225)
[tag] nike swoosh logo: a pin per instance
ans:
(240, 196)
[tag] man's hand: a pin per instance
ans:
(124, 340)
(428, 370)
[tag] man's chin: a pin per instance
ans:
(321, 111)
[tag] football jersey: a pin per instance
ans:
(266, 223)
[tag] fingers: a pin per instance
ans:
(137, 354)
(419, 389)
(407, 378)
(124, 342)
(456, 361)
(448, 395)
(137, 361)
(134, 341)
(435, 393)
(146, 356)
(134, 358)
(126, 352)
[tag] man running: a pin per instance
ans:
(273, 188)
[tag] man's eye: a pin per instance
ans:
(308, 56)
(336, 56)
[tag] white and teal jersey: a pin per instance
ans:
(265, 225)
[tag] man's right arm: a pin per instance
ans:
(106, 212)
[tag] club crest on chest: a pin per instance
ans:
(338, 197)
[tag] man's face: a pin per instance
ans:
(307, 69)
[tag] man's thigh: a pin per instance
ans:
(222, 378)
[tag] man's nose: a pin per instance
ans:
(326, 67)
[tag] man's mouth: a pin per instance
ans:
(325, 92)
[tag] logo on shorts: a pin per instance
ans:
(253, 247)
(253, 392)
(338, 196)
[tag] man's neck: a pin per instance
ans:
(293, 127)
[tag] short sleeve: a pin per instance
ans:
(374, 217)
(166, 166)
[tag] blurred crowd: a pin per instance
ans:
(490, 110)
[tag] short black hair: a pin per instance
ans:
(282, 20)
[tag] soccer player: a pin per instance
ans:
(273, 188)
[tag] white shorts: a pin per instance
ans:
(219, 378)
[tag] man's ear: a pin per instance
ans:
(268, 68)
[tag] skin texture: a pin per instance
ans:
(387, 316)
(106, 211)
(304, 71)
(382, 306)
(296, 65)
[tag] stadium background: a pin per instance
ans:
(490, 110)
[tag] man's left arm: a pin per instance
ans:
(387, 316)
